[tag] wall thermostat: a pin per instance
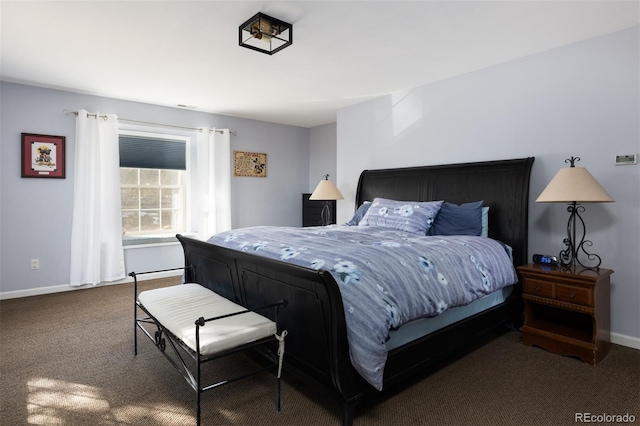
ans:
(626, 159)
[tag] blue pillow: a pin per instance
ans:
(359, 213)
(454, 219)
(485, 222)
(409, 216)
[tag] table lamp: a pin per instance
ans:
(575, 185)
(326, 191)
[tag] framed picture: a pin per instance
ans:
(252, 164)
(43, 156)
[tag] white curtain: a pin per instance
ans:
(96, 231)
(214, 182)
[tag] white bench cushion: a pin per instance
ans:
(178, 307)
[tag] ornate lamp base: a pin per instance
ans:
(569, 256)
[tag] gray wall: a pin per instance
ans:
(580, 100)
(35, 214)
(322, 153)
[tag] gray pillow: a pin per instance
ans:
(409, 216)
(355, 220)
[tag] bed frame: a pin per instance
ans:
(317, 347)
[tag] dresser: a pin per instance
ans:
(567, 311)
(311, 210)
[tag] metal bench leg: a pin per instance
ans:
(135, 313)
(199, 323)
(278, 395)
(280, 340)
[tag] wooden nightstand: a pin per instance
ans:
(567, 312)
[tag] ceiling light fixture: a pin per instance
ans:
(265, 34)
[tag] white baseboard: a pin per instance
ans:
(67, 287)
(624, 340)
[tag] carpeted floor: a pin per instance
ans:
(67, 358)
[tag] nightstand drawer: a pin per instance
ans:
(581, 296)
(538, 288)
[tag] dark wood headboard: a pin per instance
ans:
(503, 185)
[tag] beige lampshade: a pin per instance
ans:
(326, 190)
(574, 184)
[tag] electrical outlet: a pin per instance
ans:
(35, 264)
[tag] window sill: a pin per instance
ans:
(146, 241)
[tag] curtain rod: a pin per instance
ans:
(199, 129)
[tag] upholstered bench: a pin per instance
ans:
(206, 326)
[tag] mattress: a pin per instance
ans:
(423, 326)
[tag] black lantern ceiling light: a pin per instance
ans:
(266, 34)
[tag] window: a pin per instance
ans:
(153, 186)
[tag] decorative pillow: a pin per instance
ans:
(408, 216)
(454, 219)
(485, 222)
(359, 213)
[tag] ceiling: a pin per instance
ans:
(186, 53)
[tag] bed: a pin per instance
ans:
(318, 347)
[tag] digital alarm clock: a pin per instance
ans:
(543, 259)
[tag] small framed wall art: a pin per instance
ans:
(43, 156)
(252, 164)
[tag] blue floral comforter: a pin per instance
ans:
(386, 277)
